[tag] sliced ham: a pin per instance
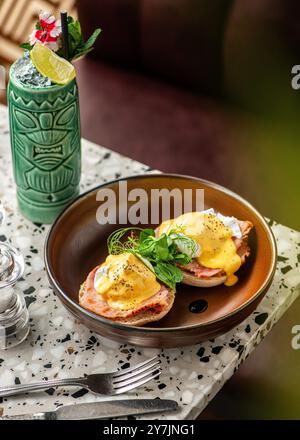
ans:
(241, 244)
(242, 249)
(245, 227)
(201, 271)
(90, 299)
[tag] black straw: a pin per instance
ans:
(65, 33)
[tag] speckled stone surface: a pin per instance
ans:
(58, 347)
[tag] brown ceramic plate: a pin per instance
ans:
(76, 243)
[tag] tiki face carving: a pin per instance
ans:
(45, 138)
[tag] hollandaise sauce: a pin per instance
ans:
(218, 250)
(124, 282)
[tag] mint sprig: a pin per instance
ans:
(77, 46)
(88, 46)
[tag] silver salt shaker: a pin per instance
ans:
(14, 317)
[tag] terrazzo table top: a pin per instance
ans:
(59, 347)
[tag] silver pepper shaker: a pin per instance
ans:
(14, 316)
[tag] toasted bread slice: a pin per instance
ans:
(150, 310)
(193, 280)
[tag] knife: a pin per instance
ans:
(101, 410)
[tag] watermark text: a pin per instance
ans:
(139, 206)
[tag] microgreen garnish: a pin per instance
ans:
(162, 253)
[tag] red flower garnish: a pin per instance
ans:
(48, 32)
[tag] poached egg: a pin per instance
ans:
(213, 233)
(123, 281)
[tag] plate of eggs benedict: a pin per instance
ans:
(177, 281)
(223, 246)
(127, 291)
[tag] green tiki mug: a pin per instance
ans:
(46, 149)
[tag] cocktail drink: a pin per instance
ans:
(45, 121)
(45, 143)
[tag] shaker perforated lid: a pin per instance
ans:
(11, 265)
(14, 317)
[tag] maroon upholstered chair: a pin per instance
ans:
(171, 84)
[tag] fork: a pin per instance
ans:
(117, 382)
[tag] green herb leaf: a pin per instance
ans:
(38, 26)
(168, 274)
(75, 33)
(26, 46)
(146, 233)
(162, 248)
(182, 259)
(75, 38)
(86, 47)
(159, 254)
(147, 247)
(115, 244)
(91, 40)
(80, 54)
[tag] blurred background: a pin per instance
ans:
(199, 87)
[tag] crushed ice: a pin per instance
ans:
(27, 74)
